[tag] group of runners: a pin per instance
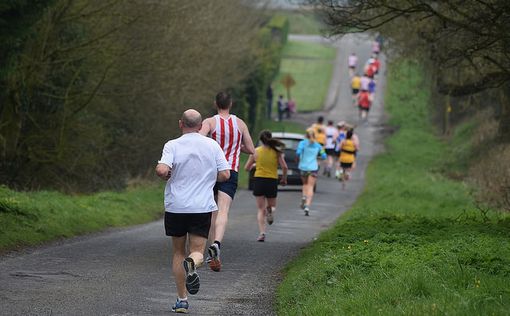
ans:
(201, 172)
(340, 144)
(364, 86)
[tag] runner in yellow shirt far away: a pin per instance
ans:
(356, 86)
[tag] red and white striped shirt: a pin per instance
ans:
(228, 136)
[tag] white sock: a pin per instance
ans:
(182, 299)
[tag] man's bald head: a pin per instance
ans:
(191, 119)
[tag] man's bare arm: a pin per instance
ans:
(163, 171)
(206, 127)
(223, 176)
(247, 146)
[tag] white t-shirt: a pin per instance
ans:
(365, 81)
(331, 132)
(195, 161)
(353, 60)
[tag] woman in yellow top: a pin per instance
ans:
(266, 159)
(355, 85)
(348, 148)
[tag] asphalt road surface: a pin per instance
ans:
(127, 271)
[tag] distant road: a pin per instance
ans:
(127, 271)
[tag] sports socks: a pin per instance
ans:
(218, 243)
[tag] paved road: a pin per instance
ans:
(127, 271)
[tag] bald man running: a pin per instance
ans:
(191, 165)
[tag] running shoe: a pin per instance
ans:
(303, 202)
(269, 215)
(307, 210)
(192, 279)
(262, 237)
(214, 255)
(180, 307)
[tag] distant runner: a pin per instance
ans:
(191, 165)
(341, 132)
(376, 47)
(319, 130)
(331, 135)
(232, 134)
(265, 187)
(364, 82)
(364, 104)
(348, 151)
(355, 86)
(353, 63)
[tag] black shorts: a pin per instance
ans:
(229, 187)
(346, 165)
(355, 91)
(180, 224)
(266, 187)
(363, 109)
(330, 151)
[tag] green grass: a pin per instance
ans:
(413, 243)
(301, 22)
(311, 66)
(30, 218)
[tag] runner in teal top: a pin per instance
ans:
(308, 151)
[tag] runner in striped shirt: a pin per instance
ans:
(233, 136)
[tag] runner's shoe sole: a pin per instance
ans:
(214, 255)
(303, 201)
(192, 278)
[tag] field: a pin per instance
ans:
(311, 66)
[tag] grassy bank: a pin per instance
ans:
(413, 243)
(311, 66)
(29, 218)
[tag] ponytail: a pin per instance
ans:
(267, 139)
(310, 134)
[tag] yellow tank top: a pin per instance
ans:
(347, 151)
(356, 82)
(320, 133)
(266, 163)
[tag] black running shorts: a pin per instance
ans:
(266, 187)
(180, 224)
(229, 187)
(355, 91)
(331, 152)
(346, 165)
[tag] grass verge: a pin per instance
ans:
(311, 66)
(30, 218)
(412, 244)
